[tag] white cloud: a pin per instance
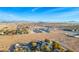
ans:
(34, 9)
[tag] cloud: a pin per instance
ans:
(34, 9)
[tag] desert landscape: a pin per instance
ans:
(13, 33)
(39, 29)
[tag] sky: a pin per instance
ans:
(36, 14)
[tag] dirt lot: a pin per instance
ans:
(69, 42)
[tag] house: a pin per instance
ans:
(40, 30)
(72, 34)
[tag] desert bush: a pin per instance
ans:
(42, 46)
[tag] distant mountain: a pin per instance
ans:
(14, 21)
(22, 22)
(73, 21)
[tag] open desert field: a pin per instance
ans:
(55, 34)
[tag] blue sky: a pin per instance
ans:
(47, 14)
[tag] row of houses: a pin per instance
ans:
(71, 33)
(35, 29)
